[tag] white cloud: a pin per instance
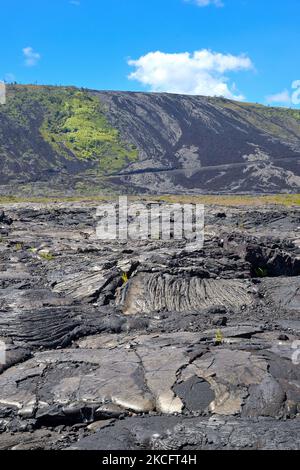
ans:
(283, 97)
(206, 3)
(286, 97)
(31, 57)
(199, 73)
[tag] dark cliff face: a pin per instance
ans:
(145, 142)
(200, 144)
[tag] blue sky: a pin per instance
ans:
(242, 49)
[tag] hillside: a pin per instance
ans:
(67, 138)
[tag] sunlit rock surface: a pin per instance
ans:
(190, 349)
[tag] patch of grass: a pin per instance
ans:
(49, 199)
(46, 256)
(287, 200)
(236, 200)
(261, 272)
(125, 278)
(18, 246)
(219, 338)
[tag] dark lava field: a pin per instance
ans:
(149, 344)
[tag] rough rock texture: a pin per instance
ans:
(194, 348)
(157, 292)
(192, 143)
(177, 433)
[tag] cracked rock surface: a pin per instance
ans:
(149, 344)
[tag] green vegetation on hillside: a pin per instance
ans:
(73, 122)
(65, 141)
(280, 122)
(288, 200)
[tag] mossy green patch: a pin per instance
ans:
(74, 122)
(282, 122)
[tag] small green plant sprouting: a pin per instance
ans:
(261, 272)
(18, 246)
(219, 338)
(125, 278)
(241, 225)
(46, 256)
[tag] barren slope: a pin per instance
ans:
(143, 142)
